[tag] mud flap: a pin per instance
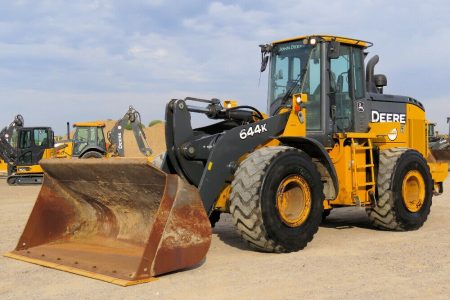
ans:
(119, 220)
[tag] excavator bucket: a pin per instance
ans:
(119, 220)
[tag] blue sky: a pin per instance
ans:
(85, 60)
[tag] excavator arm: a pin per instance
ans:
(115, 135)
(8, 152)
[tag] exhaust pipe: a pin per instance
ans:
(370, 72)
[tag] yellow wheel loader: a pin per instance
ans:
(331, 138)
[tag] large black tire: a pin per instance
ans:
(391, 211)
(253, 199)
(92, 154)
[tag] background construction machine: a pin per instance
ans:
(331, 138)
(88, 141)
(439, 144)
(22, 148)
(89, 138)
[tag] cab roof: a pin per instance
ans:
(89, 124)
(326, 37)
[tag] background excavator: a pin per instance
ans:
(21, 148)
(331, 138)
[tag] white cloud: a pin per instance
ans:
(114, 52)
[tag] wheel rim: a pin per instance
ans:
(293, 200)
(413, 191)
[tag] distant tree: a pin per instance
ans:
(154, 122)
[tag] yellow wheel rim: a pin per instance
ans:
(293, 200)
(413, 191)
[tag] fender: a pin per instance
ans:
(316, 150)
(93, 148)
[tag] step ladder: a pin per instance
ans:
(368, 168)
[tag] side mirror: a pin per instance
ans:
(265, 51)
(264, 61)
(380, 82)
(333, 49)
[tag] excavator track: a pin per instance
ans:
(24, 179)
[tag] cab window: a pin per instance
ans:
(341, 83)
(25, 139)
(41, 137)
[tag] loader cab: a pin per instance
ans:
(330, 71)
(32, 143)
(88, 137)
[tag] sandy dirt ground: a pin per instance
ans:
(346, 260)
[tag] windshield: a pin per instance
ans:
(295, 68)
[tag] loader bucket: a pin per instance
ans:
(119, 220)
(441, 154)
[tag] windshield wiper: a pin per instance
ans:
(288, 93)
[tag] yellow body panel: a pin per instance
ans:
(439, 171)
(65, 152)
(34, 169)
(417, 129)
(3, 166)
(294, 127)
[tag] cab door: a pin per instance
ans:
(32, 143)
(346, 89)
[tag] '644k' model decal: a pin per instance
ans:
(252, 130)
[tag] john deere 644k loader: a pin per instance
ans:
(331, 138)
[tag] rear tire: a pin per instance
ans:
(261, 180)
(92, 154)
(404, 191)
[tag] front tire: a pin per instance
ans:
(404, 191)
(277, 199)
